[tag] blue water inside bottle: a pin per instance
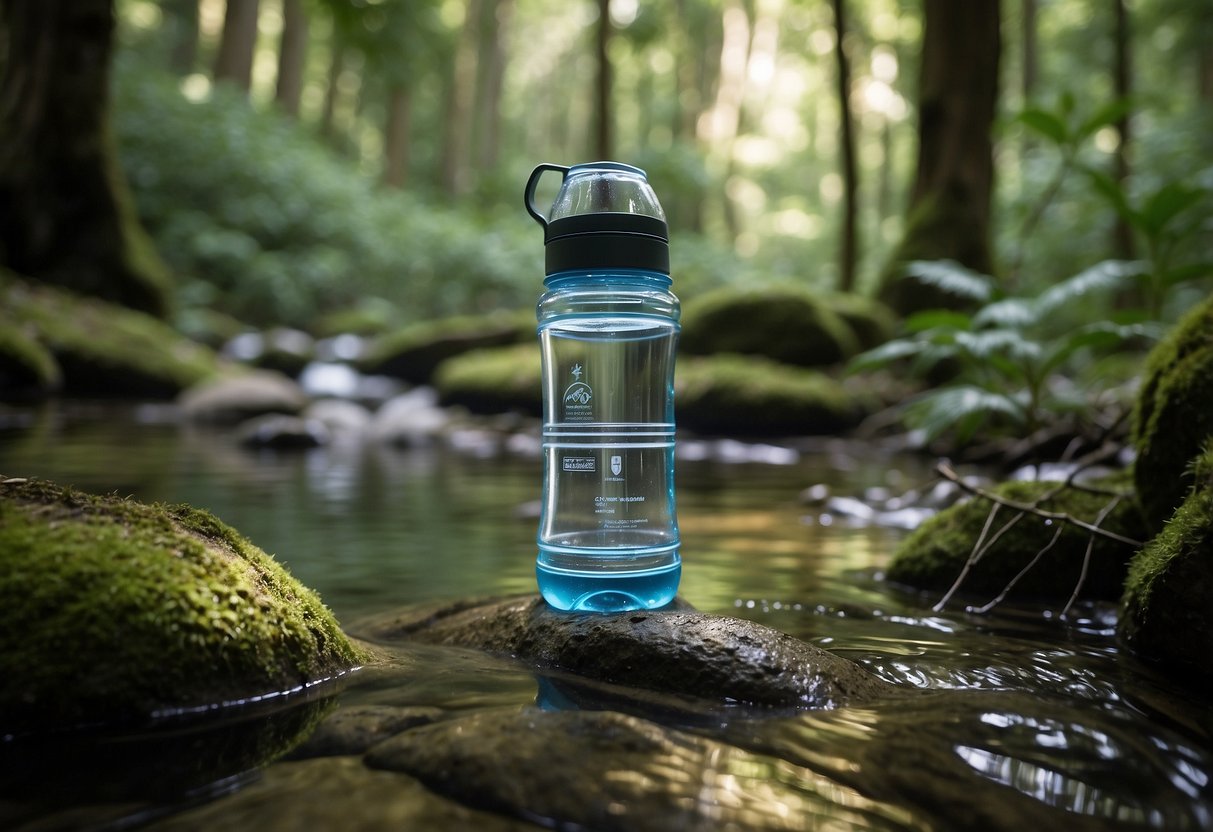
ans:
(608, 537)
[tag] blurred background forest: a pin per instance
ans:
(297, 158)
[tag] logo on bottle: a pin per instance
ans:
(577, 397)
(616, 465)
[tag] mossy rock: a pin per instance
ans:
(749, 396)
(1166, 615)
(933, 556)
(98, 348)
(25, 363)
(872, 322)
(1174, 415)
(498, 380)
(788, 324)
(113, 610)
(414, 353)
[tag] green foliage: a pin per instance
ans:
(1003, 357)
(264, 223)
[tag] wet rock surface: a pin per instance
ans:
(676, 650)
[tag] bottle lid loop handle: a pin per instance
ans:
(532, 183)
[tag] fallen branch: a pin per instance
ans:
(947, 473)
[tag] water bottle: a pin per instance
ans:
(608, 329)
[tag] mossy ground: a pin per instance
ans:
(933, 556)
(112, 609)
(791, 325)
(97, 347)
(1174, 415)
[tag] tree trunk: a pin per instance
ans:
(602, 85)
(850, 177)
(949, 212)
(396, 137)
(66, 214)
(292, 56)
(235, 60)
(492, 74)
(183, 32)
(333, 88)
(1122, 234)
(457, 115)
(1030, 71)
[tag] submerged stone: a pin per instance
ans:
(606, 771)
(337, 793)
(933, 557)
(1166, 614)
(234, 398)
(676, 650)
(112, 610)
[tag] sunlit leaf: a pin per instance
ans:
(999, 341)
(1045, 123)
(1102, 277)
(886, 353)
(1191, 271)
(1168, 202)
(953, 278)
(1103, 335)
(937, 319)
(939, 410)
(1009, 313)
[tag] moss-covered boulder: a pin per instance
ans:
(1174, 415)
(787, 324)
(1166, 613)
(749, 396)
(113, 610)
(933, 556)
(414, 353)
(872, 322)
(496, 380)
(90, 346)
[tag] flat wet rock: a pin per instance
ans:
(675, 650)
(607, 771)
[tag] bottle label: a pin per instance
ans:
(577, 398)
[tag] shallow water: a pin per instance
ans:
(1006, 720)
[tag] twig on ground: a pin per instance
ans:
(1086, 558)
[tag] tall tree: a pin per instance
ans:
(1122, 234)
(491, 72)
(292, 56)
(66, 215)
(602, 82)
(236, 46)
(182, 20)
(850, 176)
(949, 212)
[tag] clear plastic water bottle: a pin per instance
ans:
(608, 329)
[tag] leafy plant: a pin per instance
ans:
(1004, 357)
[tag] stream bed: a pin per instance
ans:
(1005, 720)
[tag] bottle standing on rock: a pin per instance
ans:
(608, 329)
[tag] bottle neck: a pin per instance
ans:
(606, 278)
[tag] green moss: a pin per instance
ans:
(103, 348)
(1166, 616)
(112, 609)
(933, 556)
(495, 380)
(414, 353)
(788, 324)
(25, 363)
(1174, 415)
(748, 396)
(872, 322)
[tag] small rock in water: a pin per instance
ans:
(234, 398)
(851, 509)
(278, 431)
(815, 495)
